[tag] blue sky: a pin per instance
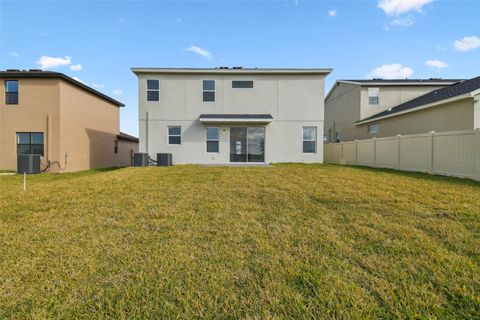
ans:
(97, 42)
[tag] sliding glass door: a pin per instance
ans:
(247, 144)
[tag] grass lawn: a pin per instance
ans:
(287, 241)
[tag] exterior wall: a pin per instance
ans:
(342, 109)
(89, 128)
(37, 111)
(455, 153)
(391, 96)
(292, 100)
(452, 116)
(476, 112)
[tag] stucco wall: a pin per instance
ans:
(89, 127)
(37, 111)
(292, 100)
(452, 116)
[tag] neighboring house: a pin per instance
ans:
(72, 126)
(232, 115)
(453, 108)
(350, 101)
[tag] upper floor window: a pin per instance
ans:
(11, 91)
(208, 90)
(212, 140)
(309, 139)
(242, 84)
(373, 95)
(153, 90)
(30, 143)
(175, 135)
(373, 128)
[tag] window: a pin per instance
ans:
(373, 94)
(115, 147)
(153, 90)
(30, 143)
(174, 135)
(309, 139)
(208, 90)
(373, 128)
(11, 91)
(212, 140)
(242, 84)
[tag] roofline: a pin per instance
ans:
(122, 136)
(384, 83)
(322, 71)
(425, 106)
(56, 75)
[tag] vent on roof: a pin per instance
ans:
(223, 68)
(238, 67)
(435, 79)
(377, 78)
(13, 70)
(35, 70)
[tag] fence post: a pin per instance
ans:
(374, 151)
(356, 144)
(430, 144)
(341, 153)
(398, 152)
(477, 154)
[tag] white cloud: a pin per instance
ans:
(332, 13)
(202, 52)
(397, 7)
(117, 92)
(436, 64)
(98, 85)
(14, 54)
(78, 79)
(76, 67)
(46, 62)
(467, 44)
(402, 22)
(391, 71)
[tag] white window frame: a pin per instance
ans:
(309, 140)
(207, 140)
(214, 90)
(374, 93)
(174, 135)
(148, 90)
(374, 131)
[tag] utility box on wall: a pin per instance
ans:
(28, 163)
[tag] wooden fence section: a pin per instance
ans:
(446, 153)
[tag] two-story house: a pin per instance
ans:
(232, 115)
(350, 101)
(72, 126)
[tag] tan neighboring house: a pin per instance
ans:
(351, 101)
(453, 108)
(72, 126)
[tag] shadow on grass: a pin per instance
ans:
(415, 175)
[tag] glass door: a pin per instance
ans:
(247, 144)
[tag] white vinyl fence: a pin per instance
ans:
(454, 153)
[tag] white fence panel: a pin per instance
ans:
(446, 153)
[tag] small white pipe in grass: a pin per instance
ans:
(24, 181)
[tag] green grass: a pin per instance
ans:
(287, 241)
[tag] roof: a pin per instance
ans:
(458, 90)
(396, 82)
(234, 70)
(258, 118)
(126, 137)
(36, 73)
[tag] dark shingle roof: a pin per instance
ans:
(431, 81)
(451, 91)
(126, 137)
(35, 73)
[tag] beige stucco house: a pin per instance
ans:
(351, 101)
(72, 126)
(232, 115)
(452, 108)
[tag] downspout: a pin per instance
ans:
(476, 111)
(146, 132)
